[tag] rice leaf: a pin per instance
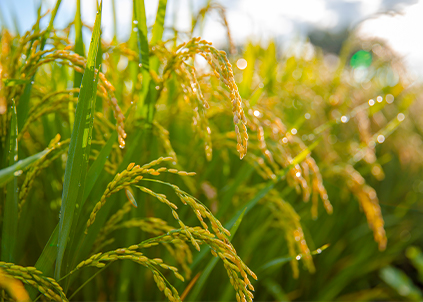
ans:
(7, 174)
(141, 26)
(144, 61)
(97, 166)
(158, 29)
(277, 262)
(45, 262)
(275, 289)
(10, 218)
(399, 281)
(76, 165)
(79, 49)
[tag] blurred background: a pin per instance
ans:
(325, 23)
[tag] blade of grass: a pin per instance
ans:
(158, 29)
(79, 49)
(7, 174)
(275, 263)
(212, 263)
(229, 191)
(71, 254)
(97, 166)
(45, 262)
(76, 165)
(143, 52)
(10, 218)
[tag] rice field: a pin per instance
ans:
(167, 169)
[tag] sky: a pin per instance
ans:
(283, 20)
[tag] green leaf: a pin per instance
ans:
(45, 262)
(10, 218)
(79, 49)
(141, 27)
(98, 165)
(275, 263)
(144, 61)
(76, 165)
(399, 281)
(7, 174)
(158, 29)
(416, 257)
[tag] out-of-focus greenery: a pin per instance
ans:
(99, 194)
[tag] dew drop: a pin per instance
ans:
(371, 102)
(17, 173)
(294, 131)
(319, 251)
(400, 117)
(135, 22)
(298, 257)
(135, 29)
(32, 82)
(157, 87)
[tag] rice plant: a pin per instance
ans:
(125, 167)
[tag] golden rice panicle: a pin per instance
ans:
(364, 130)
(14, 287)
(318, 188)
(237, 270)
(289, 221)
(101, 259)
(159, 227)
(221, 66)
(121, 180)
(111, 224)
(78, 63)
(260, 166)
(163, 134)
(35, 278)
(59, 148)
(369, 202)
